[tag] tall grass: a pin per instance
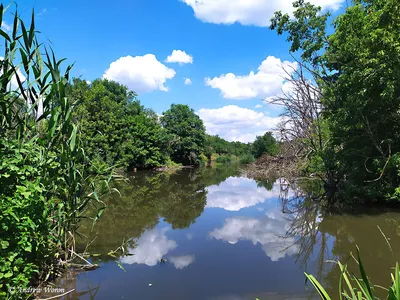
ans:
(357, 288)
(45, 186)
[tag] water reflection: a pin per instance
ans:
(178, 198)
(237, 193)
(173, 216)
(269, 232)
(181, 262)
(150, 248)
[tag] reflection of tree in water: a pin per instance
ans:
(299, 203)
(268, 184)
(362, 230)
(313, 228)
(183, 200)
(179, 198)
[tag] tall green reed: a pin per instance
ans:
(43, 162)
(357, 288)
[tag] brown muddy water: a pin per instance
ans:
(227, 237)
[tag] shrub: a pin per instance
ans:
(223, 159)
(246, 159)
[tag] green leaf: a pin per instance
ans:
(98, 215)
(120, 266)
(364, 275)
(4, 244)
(321, 291)
(73, 138)
(5, 35)
(28, 248)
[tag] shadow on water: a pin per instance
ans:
(225, 236)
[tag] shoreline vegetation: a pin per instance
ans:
(342, 111)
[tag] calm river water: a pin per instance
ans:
(226, 237)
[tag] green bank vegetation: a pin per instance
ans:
(45, 184)
(343, 109)
(342, 114)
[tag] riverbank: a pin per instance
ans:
(273, 167)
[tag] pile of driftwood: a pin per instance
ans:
(273, 167)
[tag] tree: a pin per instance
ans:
(265, 144)
(356, 69)
(187, 132)
(363, 103)
(116, 128)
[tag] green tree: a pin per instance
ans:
(116, 128)
(357, 69)
(363, 103)
(187, 133)
(265, 144)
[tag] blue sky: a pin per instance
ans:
(218, 44)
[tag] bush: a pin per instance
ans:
(171, 164)
(226, 159)
(45, 190)
(202, 160)
(265, 144)
(26, 242)
(246, 159)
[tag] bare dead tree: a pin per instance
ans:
(301, 128)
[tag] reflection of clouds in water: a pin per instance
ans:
(151, 246)
(268, 232)
(181, 262)
(236, 193)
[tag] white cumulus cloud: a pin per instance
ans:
(269, 232)
(181, 262)
(235, 123)
(267, 82)
(247, 12)
(140, 73)
(188, 81)
(258, 106)
(179, 56)
(151, 247)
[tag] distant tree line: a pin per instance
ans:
(117, 130)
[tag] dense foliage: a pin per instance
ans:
(116, 129)
(216, 144)
(45, 187)
(265, 144)
(352, 142)
(357, 70)
(187, 133)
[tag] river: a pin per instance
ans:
(213, 233)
